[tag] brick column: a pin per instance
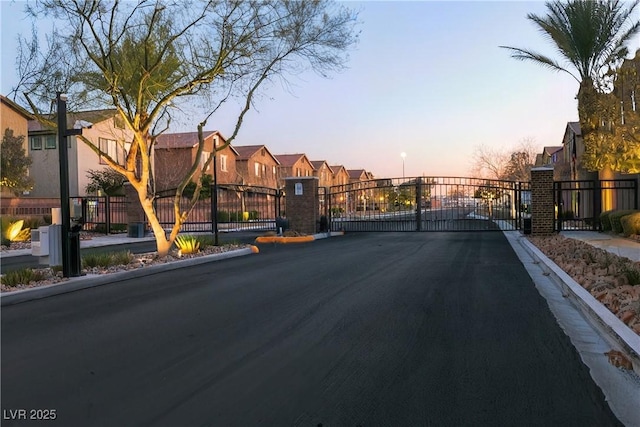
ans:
(302, 203)
(542, 207)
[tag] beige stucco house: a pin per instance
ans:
(107, 131)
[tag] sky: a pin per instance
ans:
(427, 78)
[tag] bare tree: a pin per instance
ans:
(511, 164)
(489, 162)
(148, 58)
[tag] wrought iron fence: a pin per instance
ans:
(578, 204)
(101, 214)
(239, 207)
(428, 204)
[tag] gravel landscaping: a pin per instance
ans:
(611, 279)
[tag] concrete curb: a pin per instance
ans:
(93, 280)
(611, 328)
(297, 239)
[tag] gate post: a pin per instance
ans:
(418, 204)
(301, 203)
(542, 206)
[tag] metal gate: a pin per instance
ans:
(578, 204)
(429, 204)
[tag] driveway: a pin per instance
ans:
(393, 329)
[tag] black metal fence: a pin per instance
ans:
(578, 204)
(239, 207)
(106, 214)
(429, 204)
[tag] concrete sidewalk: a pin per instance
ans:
(620, 246)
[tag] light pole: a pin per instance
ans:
(71, 266)
(403, 155)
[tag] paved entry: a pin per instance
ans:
(404, 329)
(429, 204)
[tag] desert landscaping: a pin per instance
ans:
(611, 279)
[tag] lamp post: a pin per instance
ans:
(403, 155)
(70, 267)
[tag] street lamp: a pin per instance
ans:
(403, 155)
(71, 266)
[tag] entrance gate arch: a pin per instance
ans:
(428, 204)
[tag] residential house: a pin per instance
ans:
(175, 154)
(574, 148)
(293, 165)
(358, 175)
(108, 132)
(256, 166)
(340, 175)
(324, 173)
(15, 118)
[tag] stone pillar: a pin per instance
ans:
(542, 207)
(302, 204)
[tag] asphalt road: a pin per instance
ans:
(392, 329)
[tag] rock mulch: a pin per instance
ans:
(611, 279)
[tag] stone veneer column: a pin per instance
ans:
(542, 207)
(302, 205)
(135, 213)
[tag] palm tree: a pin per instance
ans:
(591, 37)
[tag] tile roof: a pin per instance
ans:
(182, 140)
(289, 159)
(246, 151)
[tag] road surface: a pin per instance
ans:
(393, 329)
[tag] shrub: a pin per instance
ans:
(106, 259)
(632, 274)
(205, 240)
(630, 224)
(605, 220)
(568, 215)
(187, 244)
(13, 232)
(615, 217)
(22, 277)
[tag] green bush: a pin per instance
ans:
(615, 217)
(106, 259)
(223, 216)
(22, 277)
(187, 244)
(630, 224)
(205, 240)
(632, 274)
(605, 221)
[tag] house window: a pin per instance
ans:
(203, 159)
(36, 142)
(262, 152)
(257, 168)
(223, 162)
(274, 171)
(264, 170)
(50, 142)
(110, 148)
